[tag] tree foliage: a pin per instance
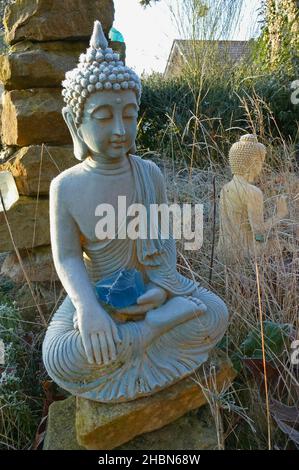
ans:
(279, 42)
(146, 3)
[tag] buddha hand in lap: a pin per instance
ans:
(174, 324)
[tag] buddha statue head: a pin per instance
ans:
(246, 157)
(102, 98)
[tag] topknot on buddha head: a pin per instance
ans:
(246, 155)
(99, 69)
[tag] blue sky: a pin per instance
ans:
(149, 33)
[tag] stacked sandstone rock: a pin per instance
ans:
(45, 39)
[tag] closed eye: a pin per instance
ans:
(130, 116)
(101, 117)
(102, 113)
(130, 111)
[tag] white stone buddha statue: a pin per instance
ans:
(244, 232)
(174, 325)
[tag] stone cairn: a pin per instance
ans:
(45, 39)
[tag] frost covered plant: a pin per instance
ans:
(19, 412)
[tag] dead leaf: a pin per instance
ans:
(289, 431)
(256, 367)
(284, 412)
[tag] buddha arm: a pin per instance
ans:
(67, 252)
(255, 207)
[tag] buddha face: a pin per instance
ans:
(109, 124)
(254, 171)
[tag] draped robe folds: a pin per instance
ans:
(140, 369)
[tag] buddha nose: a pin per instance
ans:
(119, 128)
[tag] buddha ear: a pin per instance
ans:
(133, 149)
(80, 147)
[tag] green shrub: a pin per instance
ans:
(178, 113)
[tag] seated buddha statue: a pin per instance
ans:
(244, 232)
(174, 324)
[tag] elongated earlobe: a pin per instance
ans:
(133, 150)
(80, 148)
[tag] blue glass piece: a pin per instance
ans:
(122, 289)
(115, 35)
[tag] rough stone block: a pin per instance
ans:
(33, 117)
(34, 167)
(37, 262)
(51, 20)
(103, 426)
(194, 431)
(39, 65)
(29, 223)
(1, 108)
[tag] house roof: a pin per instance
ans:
(236, 50)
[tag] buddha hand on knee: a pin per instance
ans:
(99, 335)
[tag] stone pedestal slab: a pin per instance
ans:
(177, 418)
(194, 431)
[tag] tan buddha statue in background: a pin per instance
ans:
(243, 230)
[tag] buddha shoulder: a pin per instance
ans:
(255, 194)
(149, 167)
(68, 180)
(242, 187)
